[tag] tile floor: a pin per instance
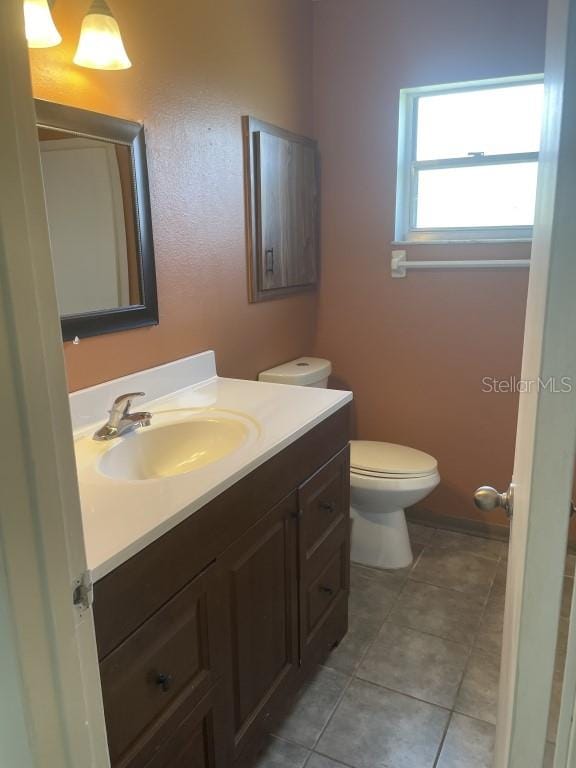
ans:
(414, 683)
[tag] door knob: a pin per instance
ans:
(487, 498)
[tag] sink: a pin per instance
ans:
(175, 448)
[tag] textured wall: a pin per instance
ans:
(198, 66)
(414, 351)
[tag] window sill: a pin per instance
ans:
(478, 241)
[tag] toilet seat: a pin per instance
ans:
(389, 475)
(387, 460)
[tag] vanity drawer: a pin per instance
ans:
(324, 502)
(173, 655)
(325, 589)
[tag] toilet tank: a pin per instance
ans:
(304, 372)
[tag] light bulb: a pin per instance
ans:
(41, 31)
(100, 45)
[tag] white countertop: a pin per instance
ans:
(121, 517)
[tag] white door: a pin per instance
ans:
(546, 435)
(50, 697)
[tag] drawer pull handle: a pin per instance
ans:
(164, 682)
(328, 506)
(326, 590)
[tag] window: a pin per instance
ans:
(468, 160)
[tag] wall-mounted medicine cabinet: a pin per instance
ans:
(282, 210)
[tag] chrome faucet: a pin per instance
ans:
(121, 420)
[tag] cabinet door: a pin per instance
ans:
(287, 211)
(261, 574)
(175, 655)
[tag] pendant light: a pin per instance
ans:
(41, 31)
(100, 45)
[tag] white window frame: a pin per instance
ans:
(408, 167)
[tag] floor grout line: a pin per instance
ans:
(341, 762)
(417, 580)
(308, 756)
(331, 715)
(442, 741)
(403, 693)
(427, 632)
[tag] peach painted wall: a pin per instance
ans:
(198, 66)
(415, 351)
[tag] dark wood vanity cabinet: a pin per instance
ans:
(205, 636)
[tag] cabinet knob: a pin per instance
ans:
(326, 590)
(328, 506)
(164, 682)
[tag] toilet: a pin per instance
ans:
(384, 479)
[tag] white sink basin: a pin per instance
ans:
(175, 448)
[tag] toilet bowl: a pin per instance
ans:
(385, 479)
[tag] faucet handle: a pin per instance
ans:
(123, 402)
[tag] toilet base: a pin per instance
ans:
(380, 539)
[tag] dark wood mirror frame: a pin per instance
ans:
(81, 122)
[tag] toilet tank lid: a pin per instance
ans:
(390, 458)
(303, 371)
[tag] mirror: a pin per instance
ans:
(98, 206)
